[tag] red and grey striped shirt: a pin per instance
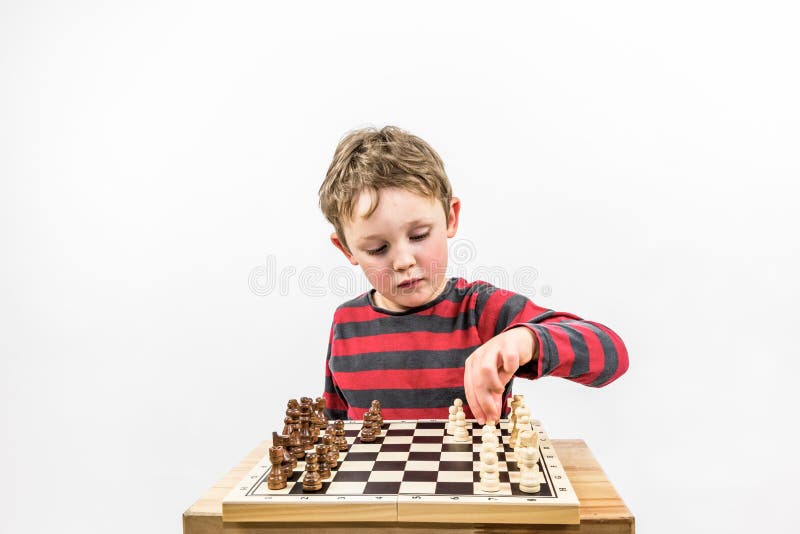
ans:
(413, 361)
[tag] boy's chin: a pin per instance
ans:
(404, 302)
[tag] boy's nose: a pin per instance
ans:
(403, 260)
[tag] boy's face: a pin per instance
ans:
(401, 247)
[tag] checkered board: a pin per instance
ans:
(413, 472)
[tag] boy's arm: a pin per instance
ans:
(531, 342)
(335, 405)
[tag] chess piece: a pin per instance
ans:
(328, 440)
(295, 444)
(332, 456)
(311, 478)
(291, 415)
(461, 435)
(277, 478)
(489, 434)
(287, 425)
(489, 468)
(367, 429)
(375, 408)
(523, 424)
(516, 402)
(530, 476)
(306, 438)
(339, 439)
(322, 456)
(451, 420)
(289, 461)
(375, 421)
(322, 419)
(525, 439)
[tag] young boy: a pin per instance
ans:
(418, 340)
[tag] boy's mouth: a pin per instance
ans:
(409, 283)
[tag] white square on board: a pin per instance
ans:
(386, 476)
(357, 466)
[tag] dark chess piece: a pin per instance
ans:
(367, 434)
(306, 439)
(328, 440)
(290, 417)
(322, 456)
(319, 406)
(289, 461)
(367, 429)
(295, 444)
(277, 478)
(313, 426)
(375, 419)
(375, 408)
(339, 439)
(311, 479)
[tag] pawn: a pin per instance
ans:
(489, 435)
(332, 458)
(375, 408)
(277, 478)
(530, 481)
(461, 435)
(451, 420)
(328, 440)
(312, 480)
(367, 434)
(322, 462)
(459, 404)
(377, 422)
(490, 475)
(339, 439)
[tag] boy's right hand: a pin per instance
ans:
(491, 366)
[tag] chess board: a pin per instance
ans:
(413, 472)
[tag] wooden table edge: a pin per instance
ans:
(588, 479)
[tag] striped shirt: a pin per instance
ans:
(413, 361)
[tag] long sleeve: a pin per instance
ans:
(569, 347)
(335, 405)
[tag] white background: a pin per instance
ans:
(644, 159)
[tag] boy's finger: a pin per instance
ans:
(510, 364)
(490, 376)
(469, 390)
(492, 410)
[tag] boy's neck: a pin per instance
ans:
(381, 302)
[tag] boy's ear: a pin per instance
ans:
(452, 217)
(341, 246)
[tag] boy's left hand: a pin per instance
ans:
(491, 366)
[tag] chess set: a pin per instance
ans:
(428, 471)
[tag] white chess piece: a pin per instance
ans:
(461, 435)
(489, 435)
(523, 423)
(516, 401)
(530, 477)
(490, 476)
(451, 421)
(525, 439)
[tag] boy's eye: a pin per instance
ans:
(420, 237)
(380, 250)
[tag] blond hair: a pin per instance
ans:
(369, 160)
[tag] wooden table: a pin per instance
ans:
(602, 510)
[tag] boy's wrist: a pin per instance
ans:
(533, 355)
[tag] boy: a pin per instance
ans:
(418, 340)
